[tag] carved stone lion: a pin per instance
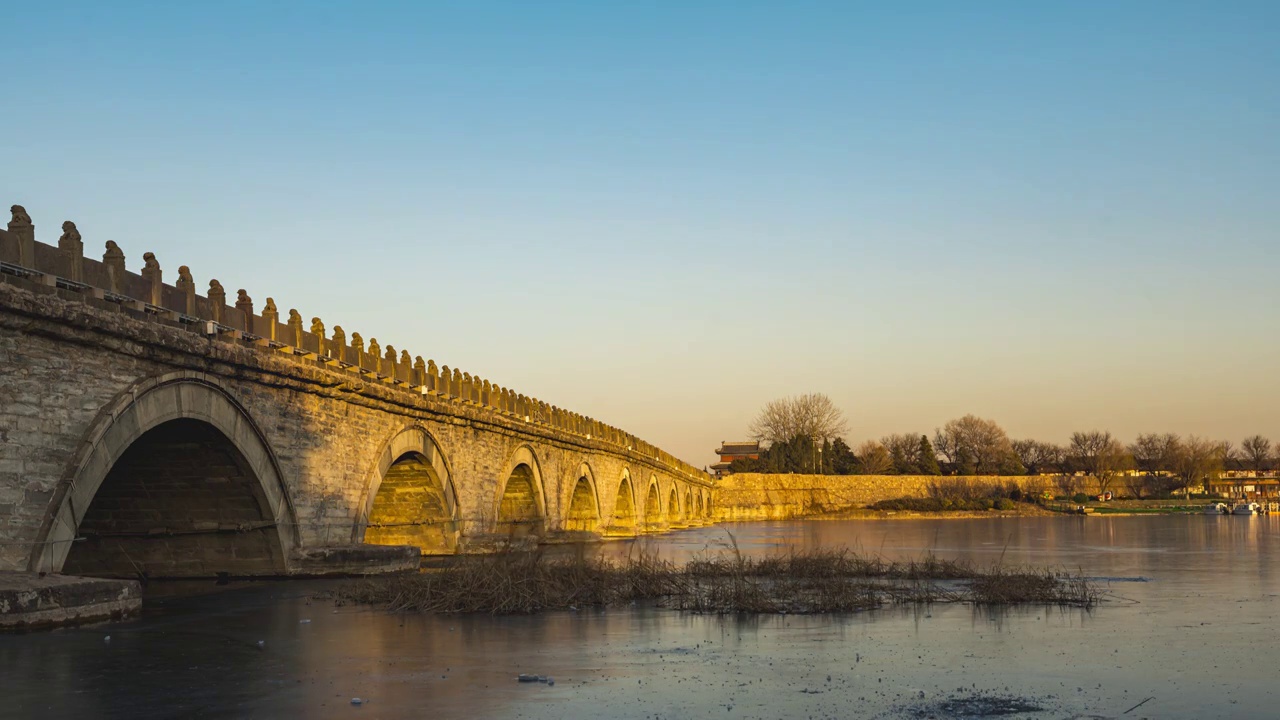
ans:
(20, 218)
(70, 239)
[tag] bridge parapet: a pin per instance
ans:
(108, 284)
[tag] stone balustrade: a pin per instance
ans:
(108, 282)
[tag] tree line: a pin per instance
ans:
(802, 434)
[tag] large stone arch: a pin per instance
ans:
(674, 515)
(582, 501)
(415, 449)
(515, 511)
(136, 411)
(625, 516)
(653, 513)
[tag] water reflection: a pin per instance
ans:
(1197, 637)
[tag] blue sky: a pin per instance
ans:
(1058, 215)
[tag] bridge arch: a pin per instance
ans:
(582, 505)
(653, 516)
(623, 520)
(521, 506)
(410, 497)
(688, 505)
(183, 443)
(673, 506)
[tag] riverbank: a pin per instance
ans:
(1022, 510)
(1055, 509)
(760, 496)
(36, 601)
(746, 497)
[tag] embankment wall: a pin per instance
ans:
(761, 496)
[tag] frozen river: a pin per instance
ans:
(1190, 623)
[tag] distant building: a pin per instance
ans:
(730, 451)
(1242, 487)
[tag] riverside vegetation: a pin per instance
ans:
(814, 581)
(805, 434)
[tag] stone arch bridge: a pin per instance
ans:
(147, 430)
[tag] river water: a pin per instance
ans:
(1190, 623)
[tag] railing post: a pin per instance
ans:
(317, 329)
(271, 316)
(244, 304)
(404, 370)
(217, 300)
(357, 350)
(113, 258)
(187, 287)
(419, 372)
(433, 378)
(338, 344)
(73, 250)
(25, 231)
(295, 329)
(389, 363)
(154, 276)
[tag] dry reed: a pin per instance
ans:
(796, 582)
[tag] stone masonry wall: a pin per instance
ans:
(109, 284)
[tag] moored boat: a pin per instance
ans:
(1215, 509)
(1245, 509)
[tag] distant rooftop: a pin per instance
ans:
(735, 448)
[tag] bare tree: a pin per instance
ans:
(775, 423)
(1137, 484)
(873, 459)
(973, 440)
(904, 452)
(1231, 456)
(812, 416)
(1256, 451)
(947, 446)
(1155, 456)
(1197, 460)
(1038, 457)
(1154, 452)
(1100, 455)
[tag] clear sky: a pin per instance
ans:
(1058, 215)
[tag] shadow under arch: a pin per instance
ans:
(520, 502)
(674, 515)
(653, 518)
(172, 412)
(583, 514)
(409, 495)
(623, 520)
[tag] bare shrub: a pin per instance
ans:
(796, 582)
